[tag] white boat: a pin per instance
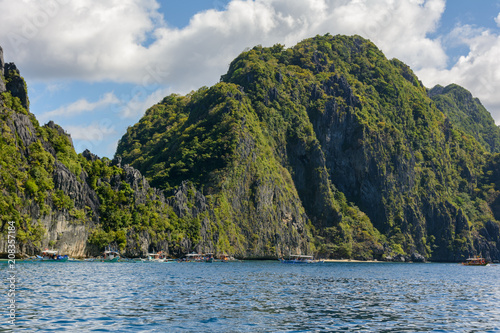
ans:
(110, 256)
(51, 255)
(197, 257)
(300, 259)
(155, 257)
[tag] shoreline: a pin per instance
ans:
(353, 260)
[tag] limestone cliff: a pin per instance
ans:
(378, 169)
(70, 202)
(325, 148)
(468, 114)
(2, 64)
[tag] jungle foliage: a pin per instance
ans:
(326, 147)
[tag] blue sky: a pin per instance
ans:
(94, 67)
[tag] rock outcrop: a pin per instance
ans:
(16, 84)
(2, 64)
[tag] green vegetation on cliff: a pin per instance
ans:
(326, 147)
(346, 128)
(468, 114)
(43, 182)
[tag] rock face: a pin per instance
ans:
(416, 257)
(246, 209)
(15, 84)
(367, 151)
(58, 227)
(66, 215)
(325, 148)
(2, 83)
(56, 199)
(468, 114)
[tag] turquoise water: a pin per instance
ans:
(254, 296)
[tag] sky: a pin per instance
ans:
(94, 67)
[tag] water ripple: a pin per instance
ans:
(255, 297)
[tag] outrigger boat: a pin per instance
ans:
(475, 261)
(300, 259)
(198, 257)
(155, 257)
(209, 257)
(110, 256)
(51, 255)
(226, 258)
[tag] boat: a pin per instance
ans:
(209, 257)
(198, 257)
(475, 261)
(155, 257)
(110, 256)
(227, 258)
(300, 259)
(51, 255)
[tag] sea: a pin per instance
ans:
(252, 296)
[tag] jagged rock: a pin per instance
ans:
(117, 161)
(22, 125)
(493, 229)
(137, 182)
(79, 192)
(16, 84)
(180, 201)
(416, 257)
(2, 83)
(89, 156)
(2, 63)
(399, 258)
(140, 243)
(60, 131)
(485, 245)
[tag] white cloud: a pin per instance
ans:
(96, 40)
(95, 133)
(80, 106)
(478, 71)
(54, 87)
(128, 41)
(497, 20)
(136, 106)
(399, 28)
(98, 137)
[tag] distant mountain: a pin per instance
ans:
(325, 148)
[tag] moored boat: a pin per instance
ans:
(209, 257)
(300, 259)
(226, 258)
(198, 257)
(155, 257)
(475, 261)
(110, 256)
(51, 255)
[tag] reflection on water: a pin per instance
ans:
(255, 297)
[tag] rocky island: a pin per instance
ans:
(325, 148)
